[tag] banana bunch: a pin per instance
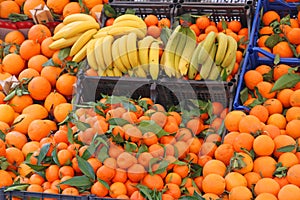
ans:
(178, 51)
(77, 32)
(214, 58)
(123, 25)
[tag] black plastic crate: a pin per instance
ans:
(283, 9)
(242, 11)
(142, 9)
(90, 88)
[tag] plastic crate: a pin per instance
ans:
(142, 9)
(218, 10)
(251, 62)
(282, 8)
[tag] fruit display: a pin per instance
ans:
(180, 136)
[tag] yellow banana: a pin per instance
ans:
(144, 47)
(214, 72)
(207, 45)
(106, 51)
(90, 54)
(123, 52)
(99, 54)
(132, 23)
(82, 40)
(117, 72)
(139, 72)
(229, 69)
(80, 55)
(230, 52)
(194, 65)
(80, 29)
(222, 47)
(117, 63)
(187, 52)
(132, 49)
(119, 31)
(110, 72)
(102, 32)
(60, 34)
(63, 42)
(154, 60)
(126, 17)
(206, 66)
(179, 49)
(169, 52)
(78, 17)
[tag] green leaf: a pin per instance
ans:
(163, 165)
(50, 62)
(150, 125)
(43, 152)
(37, 167)
(17, 187)
(188, 198)
(64, 53)
(82, 126)
(2, 135)
(280, 171)
(109, 11)
(244, 95)
(104, 183)
(85, 168)
(224, 24)
(54, 156)
(117, 121)
(145, 191)
(103, 154)
(272, 40)
(118, 139)
(78, 181)
(130, 147)
(165, 34)
(70, 134)
(286, 81)
(268, 76)
(142, 148)
(196, 170)
(130, 11)
(151, 162)
(287, 148)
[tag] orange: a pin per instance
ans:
(266, 185)
(8, 7)
(38, 129)
(30, 5)
(277, 120)
(232, 120)
(250, 124)
(252, 78)
(29, 48)
(164, 22)
(202, 22)
(16, 139)
(95, 10)
(6, 179)
(195, 28)
(270, 16)
(295, 98)
(234, 179)
(13, 64)
(273, 106)
(217, 188)
(264, 89)
(280, 70)
(264, 165)
(153, 31)
(99, 189)
(14, 37)
(39, 32)
(248, 163)
(243, 140)
(270, 130)
(57, 6)
(71, 8)
(292, 36)
(291, 128)
(224, 152)
(61, 111)
(261, 112)
(283, 50)
(151, 20)
(240, 192)
(65, 84)
(20, 102)
(136, 172)
(39, 88)
(210, 28)
(261, 40)
(36, 111)
(36, 62)
(45, 50)
(27, 74)
(288, 159)
(281, 141)
(284, 97)
(263, 145)
(153, 181)
(252, 178)
(263, 69)
(235, 26)
(214, 167)
(6, 113)
(51, 73)
(289, 191)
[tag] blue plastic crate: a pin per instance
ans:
(283, 9)
(251, 62)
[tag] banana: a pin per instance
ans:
(132, 49)
(214, 72)
(144, 47)
(117, 63)
(123, 51)
(101, 72)
(207, 65)
(78, 17)
(139, 72)
(207, 45)
(99, 54)
(154, 60)
(126, 17)
(117, 72)
(194, 66)
(119, 31)
(169, 52)
(82, 40)
(187, 52)
(63, 43)
(109, 72)
(228, 70)
(90, 54)
(222, 47)
(230, 52)
(80, 29)
(80, 55)
(132, 23)
(107, 51)
(60, 34)
(130, 72)
(179, 49)
(102, 32)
